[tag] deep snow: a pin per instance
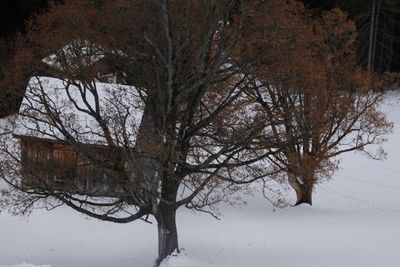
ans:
(354, 222)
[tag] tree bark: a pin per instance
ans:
(303, 189)
(167, 234)
(304, 195)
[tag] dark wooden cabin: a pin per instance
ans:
(55, 164)
(90, 168)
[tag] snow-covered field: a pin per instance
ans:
(27, 265)
(355, 222)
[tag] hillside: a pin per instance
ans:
(354, 222)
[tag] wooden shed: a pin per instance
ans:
(50, 161)
(55, 164)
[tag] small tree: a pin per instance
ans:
(177, 59)
(320, 104)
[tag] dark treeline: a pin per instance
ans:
(378, 24)
(383, 27)
(14, 14)
(13, 22)
(376, 19)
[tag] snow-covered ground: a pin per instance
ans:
(355, 222)
(26, 265)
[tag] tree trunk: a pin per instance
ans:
(303, 189)
(376, 29)
(372, 35)
(304, 195)
(167, 234)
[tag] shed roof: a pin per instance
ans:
(54, 108)
(77, 51)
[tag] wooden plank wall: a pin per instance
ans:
(57, 165)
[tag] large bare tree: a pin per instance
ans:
(177, 61)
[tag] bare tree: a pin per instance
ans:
(179, 124)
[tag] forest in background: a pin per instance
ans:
(377, 21)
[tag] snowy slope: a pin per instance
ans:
(354, 223)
